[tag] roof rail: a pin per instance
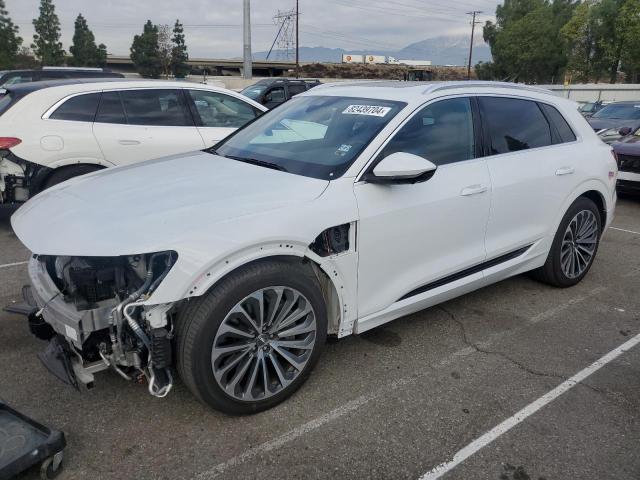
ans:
(480, 84)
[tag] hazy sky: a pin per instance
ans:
(213, 27)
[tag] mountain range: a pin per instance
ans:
(440, 50)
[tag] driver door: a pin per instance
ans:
(412, 235)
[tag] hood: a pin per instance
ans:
(629, 145)
(602, 123)
(153, 205)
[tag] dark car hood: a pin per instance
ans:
(628, 146)
(605, 123)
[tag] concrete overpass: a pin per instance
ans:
(262, 68)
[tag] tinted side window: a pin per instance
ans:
(441, 132)
(514, 124)
(562, 127)
(110, 110)
(296, 89)
(274, 96)
(219, 110)
(155, 108)
(81, 108)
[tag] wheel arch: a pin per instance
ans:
(42, 179)
(597, 198)
(596, 191)
(334, 283)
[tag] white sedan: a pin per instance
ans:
(341, 210)
(53, 131)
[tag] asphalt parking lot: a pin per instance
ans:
(393, 403)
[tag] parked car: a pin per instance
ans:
(14, 77)
(53, 131)
(341, 210)
(587, 109)
(272, 92)
(615, 116)
(613, 135)
(628, 155)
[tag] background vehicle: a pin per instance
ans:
(628, 156)
(589, 108)
(613, 135)
(53, 131)
(272, 92)
(346, 208)
(615, 116)
(13, 77)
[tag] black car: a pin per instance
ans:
(272, 92)
(616, 115)
(627, 153)
(12, 77)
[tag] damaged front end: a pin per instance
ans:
(19, 179)
(94, 312)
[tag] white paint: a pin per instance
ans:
(623, 230)
(527, 411)
(15, 264)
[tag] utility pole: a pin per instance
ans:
(297, 39)
(473, 31)
(247, 66)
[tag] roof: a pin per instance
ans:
(408, 91)
(28, 87)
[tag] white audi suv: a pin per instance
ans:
(347, 207)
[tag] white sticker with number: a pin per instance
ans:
(371, 110)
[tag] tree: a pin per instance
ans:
(164, 48)
(9, 40)
(525, 40)
(630, 15)
(145, 52)
(46, 41)
(84, 50)
(179, 55)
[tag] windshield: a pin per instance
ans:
(620, 112)
(254, 91)
(314, 136)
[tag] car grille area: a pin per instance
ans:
(628, 163)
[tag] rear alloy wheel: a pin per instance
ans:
(251, 341)
(264, 343)
(574, 246)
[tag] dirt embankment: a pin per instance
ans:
(383, 72)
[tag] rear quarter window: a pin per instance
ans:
(564, 131)
(81, 108)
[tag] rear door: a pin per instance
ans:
(217, 115)
(531, 174)
(141, 124)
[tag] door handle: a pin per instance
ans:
(473, 190)
(129, 142)
(565, 171)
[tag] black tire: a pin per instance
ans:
(46, 469)
(198, 323)
(551, 272)
(63, 174)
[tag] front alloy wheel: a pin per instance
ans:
(252, 340)
(264, 343)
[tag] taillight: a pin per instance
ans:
(9, 142)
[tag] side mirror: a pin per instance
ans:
(624, 131)
(401, 167)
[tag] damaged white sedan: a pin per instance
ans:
(343, 209)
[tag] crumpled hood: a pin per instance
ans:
(153, 205)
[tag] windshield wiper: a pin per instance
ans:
(260, 163)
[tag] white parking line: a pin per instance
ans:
(623, 230)
(7, 265)
(527, 411)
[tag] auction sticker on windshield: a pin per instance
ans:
(372, 110)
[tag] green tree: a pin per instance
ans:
(9, 40)
(84, 50)
(179, 55)
(145, 52)
(46, 41)
(526, 44)
(630, 16)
